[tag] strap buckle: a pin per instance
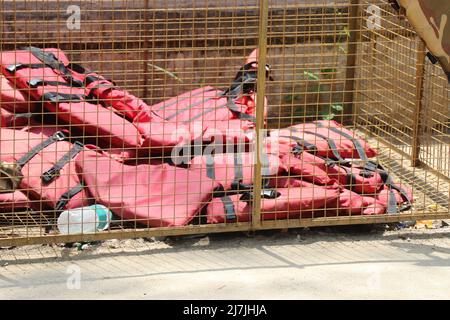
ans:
(34, 83)
(297, 150)
(62, 203)
(50, 175)
(59, 136)
(239, 186)
(265, 194)
(13, 67)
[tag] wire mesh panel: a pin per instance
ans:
(137, 118)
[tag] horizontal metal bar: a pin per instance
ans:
(218, 228)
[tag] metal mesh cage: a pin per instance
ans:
(164, 69)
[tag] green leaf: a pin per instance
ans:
(328, 116)
(337, 107)
(167, 72)
(311, 75)
(328, 70)
(346, 31)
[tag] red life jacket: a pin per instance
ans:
(219, 116)
(14, 93)
(52, 81)
(12, 99)
(43, 167)
(349, 202)
(235, 171)
(75, 94)
(375, 192)
(297, 162)
(13, 201)
(322, 170)
(150, 195)
(328, 139)
(276, 204)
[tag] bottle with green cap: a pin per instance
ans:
(84, 220)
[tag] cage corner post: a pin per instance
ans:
(261, 82)
(418, 103)
(354, 27)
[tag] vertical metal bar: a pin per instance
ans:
(146, 50)
(420, 71)
(261, 85)
(354, 27)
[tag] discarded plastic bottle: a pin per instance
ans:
(84, 220)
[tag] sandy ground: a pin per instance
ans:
(344, 263)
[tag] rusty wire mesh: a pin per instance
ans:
(326, 62)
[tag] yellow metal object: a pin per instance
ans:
(353, 61)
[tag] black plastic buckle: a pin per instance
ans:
(366, 173)
(404, 206)
(34, 83)
(13, 67)
(239, 186)
(50, 175)
(62, 203)
(59, 136)
(371, 166)
(265, 194)
(297, 150)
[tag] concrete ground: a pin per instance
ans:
(326, 263)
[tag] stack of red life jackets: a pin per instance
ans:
(309, 170)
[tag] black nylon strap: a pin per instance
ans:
(392, 201)
(77, 68)
(265, 194)
(210, 166)
(238, 170)
(228, 206)
(302, 143)
(331, 144)
(58, 136)
(67, 196)
(54, 171)
(235, 110)
(34, 83)
(350, 178)
(57, 97)
(237, 184)
(19, 66)
(46, 57)
(244, 83)
(359, 148)
(392, 207)
(91, 78)
(26, 115)
(50, 60)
